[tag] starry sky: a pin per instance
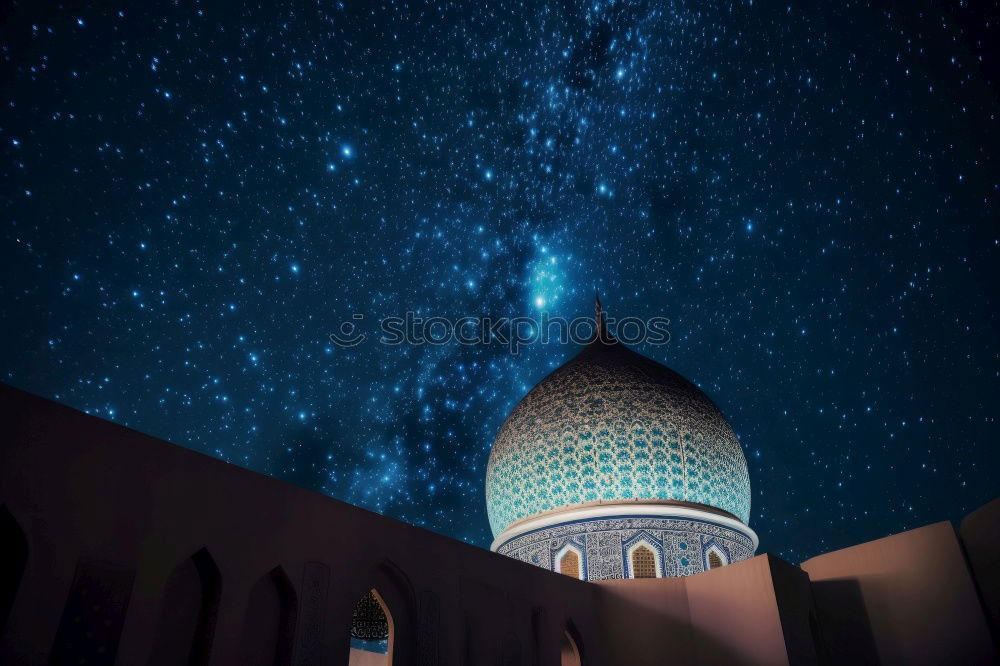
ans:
(195, 196)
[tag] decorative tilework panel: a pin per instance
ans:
(684, 544)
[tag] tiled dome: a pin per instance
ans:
(613, 425)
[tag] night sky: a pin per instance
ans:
(195, 197)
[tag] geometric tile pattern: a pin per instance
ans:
(611, 424)
(681, 546)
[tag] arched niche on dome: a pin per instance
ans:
(269, 625)
(189, 608)
(569, 561)
(716, 557)
(643, 562)
(643, 556)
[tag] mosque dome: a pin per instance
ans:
(612, 426)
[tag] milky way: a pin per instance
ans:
(194, 198)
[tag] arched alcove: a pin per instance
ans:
(13, 559)
(569, 561)
(643, 562)
(715, 557)
(643, 554)
(569, 653)
(569, 564)
(269, 627)
(371, 631)
(510, 651)
(188, 611)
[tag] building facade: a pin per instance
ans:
(119, 548)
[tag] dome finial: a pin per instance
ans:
(601, 325)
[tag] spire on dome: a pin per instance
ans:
(600, 324)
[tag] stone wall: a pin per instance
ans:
(905, 599)
(189, 557)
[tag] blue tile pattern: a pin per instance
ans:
(681, 545)
(612, 424)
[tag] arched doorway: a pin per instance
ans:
(371, 631)
(190, 606)
(569, 653)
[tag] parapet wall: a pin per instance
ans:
(980, 534)
(107, 511)
(905, 599)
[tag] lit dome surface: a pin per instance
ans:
(612, 425)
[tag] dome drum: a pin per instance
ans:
(680, 544)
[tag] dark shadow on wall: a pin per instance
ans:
(94, 614)
(841, 627)
(13, 559)
(539, 622)
(269, 628)
(429, 617)
(510, 651)
(189, 612)
(635, 628)
(314, 595)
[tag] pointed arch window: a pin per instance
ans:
(643, 562)
(569, 563)
(715, 557)
(643, 559)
